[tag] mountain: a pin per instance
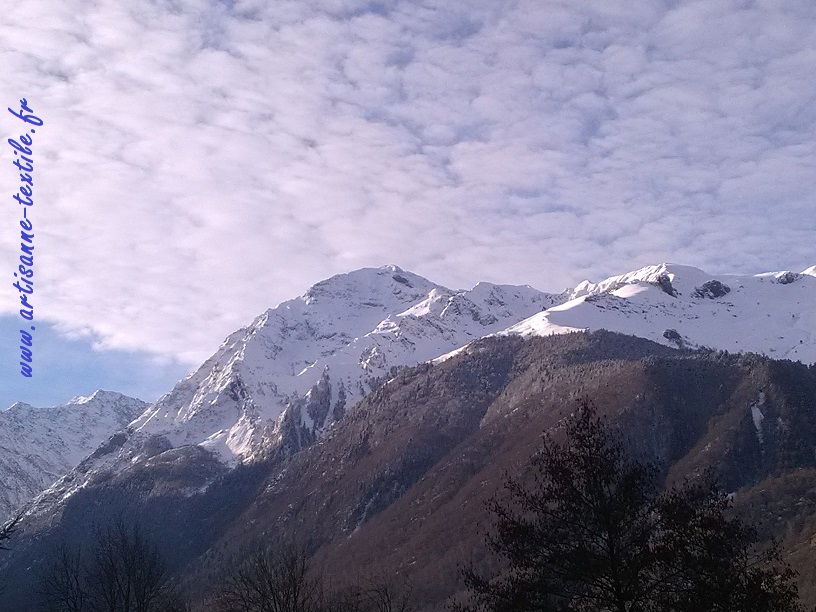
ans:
(402, 486)
(681, 306)
(398, 485)
(280, 384)
(307, 421)
(39, 445)
(313, 356)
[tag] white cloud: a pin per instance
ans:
(202, 160)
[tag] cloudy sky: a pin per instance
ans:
(202, 160)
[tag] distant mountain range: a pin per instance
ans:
(260, 433)
(39, 445)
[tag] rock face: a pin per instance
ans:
(712, 289)
(39, 445)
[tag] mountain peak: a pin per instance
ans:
(18, 406)
(38, 445)
(366, 284)
(100, 395)
(685, 307)
(300, 364)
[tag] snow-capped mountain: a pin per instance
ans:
(313, 356)
(286, 380)
(773, 313)
(39, 445)
(280, 383)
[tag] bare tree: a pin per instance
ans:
(62, 587)
(382, 595)
(124, 572)
(270, 581)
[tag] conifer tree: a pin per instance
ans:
(594, 533)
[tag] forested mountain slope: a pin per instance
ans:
(399, 484)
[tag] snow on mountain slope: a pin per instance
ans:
(38, 445)
(295, 369)
(281, 382)
(773, 313)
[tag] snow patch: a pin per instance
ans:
(757, 416)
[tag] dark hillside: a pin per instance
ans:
(400, 484)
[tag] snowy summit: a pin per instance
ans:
(772, 313)
(280, 384)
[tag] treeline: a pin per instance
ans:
(586, 528)
(124, 572)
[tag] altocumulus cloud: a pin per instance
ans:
(203, 159)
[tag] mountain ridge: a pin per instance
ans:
(281, 383)
(350, 409)
(399, 484)
(39, 445)
(686, 307)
